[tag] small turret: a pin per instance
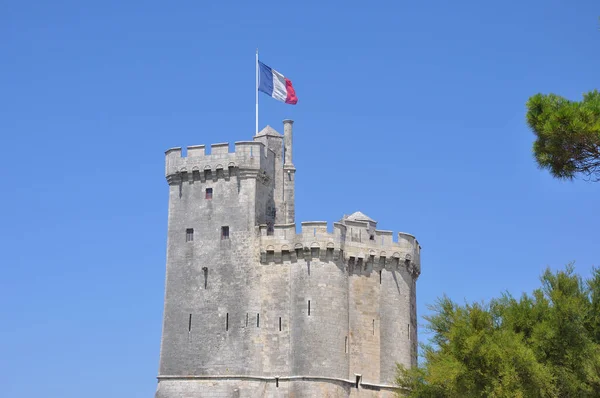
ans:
(274, 141)
(289, 173)
(287, 134)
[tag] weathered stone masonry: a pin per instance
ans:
(255, 308)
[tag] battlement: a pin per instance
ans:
(379, 249)
(248, 155)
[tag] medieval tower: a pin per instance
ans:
(255, 307)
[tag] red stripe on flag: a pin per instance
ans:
(291, 93)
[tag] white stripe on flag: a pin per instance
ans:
(279, 90)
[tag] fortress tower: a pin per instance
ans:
(254, 308)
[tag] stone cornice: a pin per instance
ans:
(358, 382)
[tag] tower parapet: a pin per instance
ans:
(248, 155)
(314, 241)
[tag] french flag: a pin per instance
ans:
(276, 85)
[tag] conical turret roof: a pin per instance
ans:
(359, 216)
(268, 131)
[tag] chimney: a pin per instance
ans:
(287, 141)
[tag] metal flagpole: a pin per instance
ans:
(256, 91)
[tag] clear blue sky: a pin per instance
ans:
(412, 112)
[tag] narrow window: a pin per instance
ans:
(205, 269)
(372, 237)
(257, 320)
(314, 252)
(308, 307)
(227, 321)
(380, 271)
(329, 255)
(189, 234)
(280, 324)
(190, 324)
(225, 232)
(346, 345)
(208, 193)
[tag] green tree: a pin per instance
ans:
(541, 345)
(567, 134)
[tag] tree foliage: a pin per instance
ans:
(546, 344)
(568, 134)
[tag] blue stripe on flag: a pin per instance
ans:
(265, 79)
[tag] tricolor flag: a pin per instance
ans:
(276, 85)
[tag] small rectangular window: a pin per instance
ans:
(190, 324)
(314, 252)
(227, 321)
(280, 324)
(308, 307)
(257, 320)
(329, 255)
(189, 234)
(225, 232)
(208, 193)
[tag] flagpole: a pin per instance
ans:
(256, 91)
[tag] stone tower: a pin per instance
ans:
(254, 308)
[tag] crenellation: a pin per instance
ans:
(382, 252)
(196, 150)
(248, 155)
(219, 149)
(314, 229)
